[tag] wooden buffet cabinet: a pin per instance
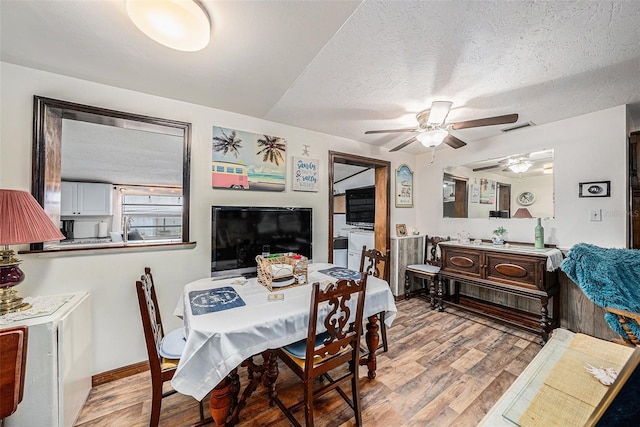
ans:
(520, 271)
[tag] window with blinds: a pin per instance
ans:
(153, 217)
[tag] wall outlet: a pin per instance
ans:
(596, 215)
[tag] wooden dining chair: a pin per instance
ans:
(375, 263)
(164, 351)
(339, 345)
(427, 271)
(13, 359)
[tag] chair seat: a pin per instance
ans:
(424, 268)
(317, 360)
(172, 344)
(299, 348)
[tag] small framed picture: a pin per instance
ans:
(595, 189)
(404, 187)
(401, 230)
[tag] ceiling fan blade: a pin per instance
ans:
(488, 121)
(453, 142)
(439, 111)
(484, 168)
(404, 144)
(369, 132)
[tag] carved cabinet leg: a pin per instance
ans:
(545, 323)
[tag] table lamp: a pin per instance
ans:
(22, 220)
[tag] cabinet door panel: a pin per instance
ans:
(68, 198)
(514, 270)
(94, 199)
(462, 261)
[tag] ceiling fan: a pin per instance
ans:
(434, 131)
(516, 164)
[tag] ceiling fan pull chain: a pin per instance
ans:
(433, 154)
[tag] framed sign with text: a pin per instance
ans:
(305, 174)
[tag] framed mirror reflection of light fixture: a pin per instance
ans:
(139, 157)
(503, 179)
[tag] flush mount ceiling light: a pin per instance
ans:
(432, 138)
(178, 24)
(520, 167)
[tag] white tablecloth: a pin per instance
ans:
(218, 342)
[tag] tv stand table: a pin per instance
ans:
(522, 271)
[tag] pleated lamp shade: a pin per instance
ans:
(22, 220)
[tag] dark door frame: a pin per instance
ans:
(383, 196)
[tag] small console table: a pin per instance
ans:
(516, 270)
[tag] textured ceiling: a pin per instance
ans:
(345, 67)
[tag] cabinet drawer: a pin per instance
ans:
(514, 270)
(461, 261)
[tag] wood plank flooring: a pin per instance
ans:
(442, 369)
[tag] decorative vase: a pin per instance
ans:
(539, 235)
(497, 240)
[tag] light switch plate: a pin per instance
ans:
(596, 215)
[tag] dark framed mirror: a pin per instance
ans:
(512, 186)
(110, 178)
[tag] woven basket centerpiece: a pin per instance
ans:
(282, 271)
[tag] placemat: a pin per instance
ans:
(217, 299)
(341, 273)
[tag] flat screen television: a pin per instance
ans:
(239, 233)
(361, 206)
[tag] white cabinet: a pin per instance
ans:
(59, 366)
(358, 239)
(85, 198)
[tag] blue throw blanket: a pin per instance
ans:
(609, 278)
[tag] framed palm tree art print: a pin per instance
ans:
(247, 161)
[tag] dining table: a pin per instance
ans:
(229, 321)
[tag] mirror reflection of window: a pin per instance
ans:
(155, 213)
(513, 175)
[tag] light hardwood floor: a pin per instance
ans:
(442, 369)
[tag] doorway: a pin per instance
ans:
(382, 174)
(504, 198)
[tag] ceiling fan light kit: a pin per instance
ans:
(432, 138)
(520, 167)
(179, 24)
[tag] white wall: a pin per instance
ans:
(587, 148)
(111, 278)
